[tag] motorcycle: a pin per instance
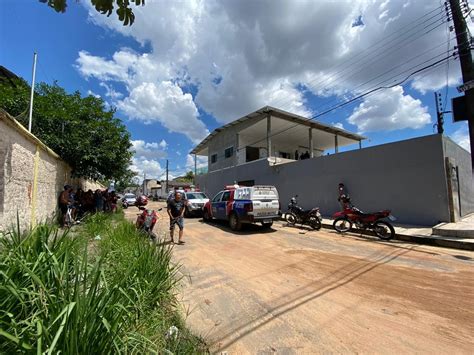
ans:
(146, 221)
(296, 214)
(344, 220)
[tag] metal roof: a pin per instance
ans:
(283, 115)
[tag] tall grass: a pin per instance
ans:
(80, 295)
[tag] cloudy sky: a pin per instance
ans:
(187, 67)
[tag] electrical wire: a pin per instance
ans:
(378, 46)
(429, 67)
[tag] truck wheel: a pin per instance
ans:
(234, 222)
(267, 225)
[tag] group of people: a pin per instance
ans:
(303, 156)
(81, 202)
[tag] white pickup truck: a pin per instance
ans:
(239, 205)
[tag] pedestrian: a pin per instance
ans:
(297, 155)
(343, 198)
(176, 207)
(99, 201)
(63, 202)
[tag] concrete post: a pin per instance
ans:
(311, 145)
(269, 135)
(236, 150)
(336, 146)
(360, 144)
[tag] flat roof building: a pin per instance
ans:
(271, 133)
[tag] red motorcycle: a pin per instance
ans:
(146, 221)
(344, 220)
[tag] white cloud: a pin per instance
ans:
(461, 137)
(389, 110)
(165, 103)
(163, 144)
(338, 125)
(241, 56)
(201, 162)
(147, 150)
(91, 93)
(150, 167)
(110, 92)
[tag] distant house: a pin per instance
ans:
(271, 133)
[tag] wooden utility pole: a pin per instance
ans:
(467, 68)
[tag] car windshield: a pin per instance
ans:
(129, 196)
(195, 196)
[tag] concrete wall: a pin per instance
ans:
(462, 159)
(35, 200)
(407, 177)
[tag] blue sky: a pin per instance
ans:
(195, 78)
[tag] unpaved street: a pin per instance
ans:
(318, 292)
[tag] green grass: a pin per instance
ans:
(80, 295)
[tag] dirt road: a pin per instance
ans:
(318, 292)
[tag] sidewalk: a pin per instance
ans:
(458, 235)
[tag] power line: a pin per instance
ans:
(381, 45)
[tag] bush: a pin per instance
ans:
(80, 295)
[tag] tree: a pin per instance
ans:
(123, 8)
(80, 129)
(189, 177)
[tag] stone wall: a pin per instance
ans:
(31, 176)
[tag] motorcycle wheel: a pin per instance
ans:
(384, 230)
(290, 219)
(342, 225)
(315, 223)
(124, 206)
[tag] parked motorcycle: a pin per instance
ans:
(344, 220)
(296, 214)
(146, 221)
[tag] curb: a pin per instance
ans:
(433, 240)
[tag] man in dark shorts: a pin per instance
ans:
(64, 199)
(176, 207)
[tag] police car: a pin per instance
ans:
(242, 204)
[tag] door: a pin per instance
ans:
(215, 203)
(222, 206)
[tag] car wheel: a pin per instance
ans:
(234, 222)
(267, 225)
(206, 216)
(187, 214)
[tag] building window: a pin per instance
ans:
(229, 152)
(213, 158)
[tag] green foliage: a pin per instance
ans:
(189, 177)
(77, 295)
(123, 8)
(80, 129)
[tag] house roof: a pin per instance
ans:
(275, 112)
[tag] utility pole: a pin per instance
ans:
(32, 92)
(166, 177)
(439, 113)
(144, 184)
(467, 68)
(195, 168)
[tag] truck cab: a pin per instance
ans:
(238, 205)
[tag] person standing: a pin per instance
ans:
(176, 207)
(63, 201)
(343, 198)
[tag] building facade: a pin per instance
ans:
(271, 133)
